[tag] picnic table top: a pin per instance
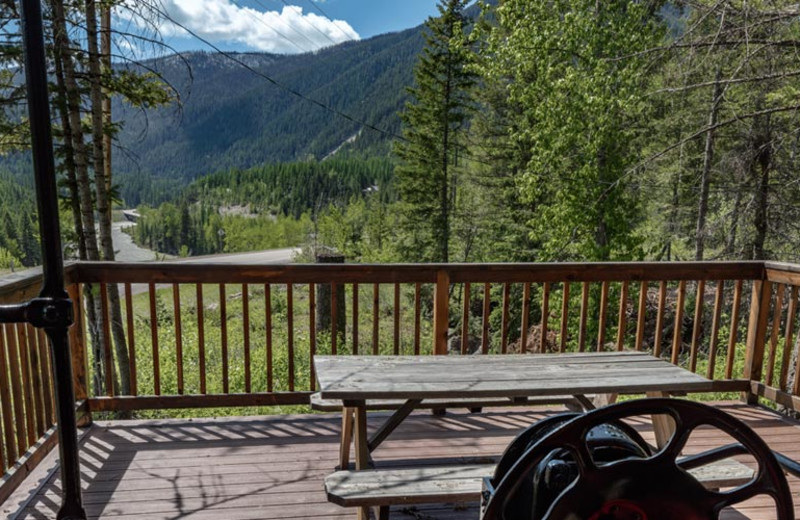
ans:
(508, 375)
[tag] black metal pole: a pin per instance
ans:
(53, 309)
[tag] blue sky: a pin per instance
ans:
(279, 26)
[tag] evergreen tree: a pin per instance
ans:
(577, 70)
(434, 129)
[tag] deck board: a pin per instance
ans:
(273, 467)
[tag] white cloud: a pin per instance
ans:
(288, 31)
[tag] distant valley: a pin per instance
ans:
(232, 117)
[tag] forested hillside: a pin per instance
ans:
(19, 242)
(639, 130)
(231, 117)
(269, 206)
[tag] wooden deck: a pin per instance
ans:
(272, 467)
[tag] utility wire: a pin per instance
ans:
(313, 26)
(306, 38)
(323, 13)
(278, 84)
(262, 22)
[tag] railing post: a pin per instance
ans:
(77, 341)
(441, 312)
(756, 334)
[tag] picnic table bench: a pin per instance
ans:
(355, 381)
(463, 483)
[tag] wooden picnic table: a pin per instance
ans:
(356, 379)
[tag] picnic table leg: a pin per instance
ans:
(362, 448)
(347, 438)
(663, 425)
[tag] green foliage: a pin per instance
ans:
(19, 232)
(576, 72)
(433, 132)
(269, 207)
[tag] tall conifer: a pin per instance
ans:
(434, 123)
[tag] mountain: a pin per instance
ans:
(232, 117)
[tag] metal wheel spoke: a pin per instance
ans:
(737, 496)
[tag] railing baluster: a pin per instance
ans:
(734, 332)
(563, 333)
(622, 317)
(201, 336)
(417, 317)
(27, 386)
(773, 339)
(715, 321)
(108, 359)
(757, 332)
(601, 325)
(526, 310)
(465, 319)
(641, 316)
(396, 319)
(487, 301)
(698, 322)
(154, 340)
(268, 333)
(16, 388)
(77, 335)
(27, 382)
(46, 380)
(659, 333)
(441, 312)
(312, 332)
(584, 316)
(788, 343)
(504, 331)
(223, 331)
(47, 384)
(37, 385)
(3, 464)
(6, 403)
(290, 333)
(376, 296)
(677, 330)
(796, 385)
(176, 310)
(355, 319)
(545, 316)
(248, 383)
(131, 342)
(334, 318)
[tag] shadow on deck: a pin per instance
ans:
(272, 467)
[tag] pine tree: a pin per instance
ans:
(434, 127)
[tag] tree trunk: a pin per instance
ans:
(444, 210)
(760, 168)
(68, 153)
(80, 160)
(730, 245)
(101, 183)
(705, 179)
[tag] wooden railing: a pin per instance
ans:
(220, 335)
(27, 418)
(773, 321)
(229, 335)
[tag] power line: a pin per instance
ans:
(309, 40)
(278, 84)
(262, 22)
(313, 26)
(323, 13)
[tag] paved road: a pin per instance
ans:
(127, 251)
(124, 248)
(269, 256)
